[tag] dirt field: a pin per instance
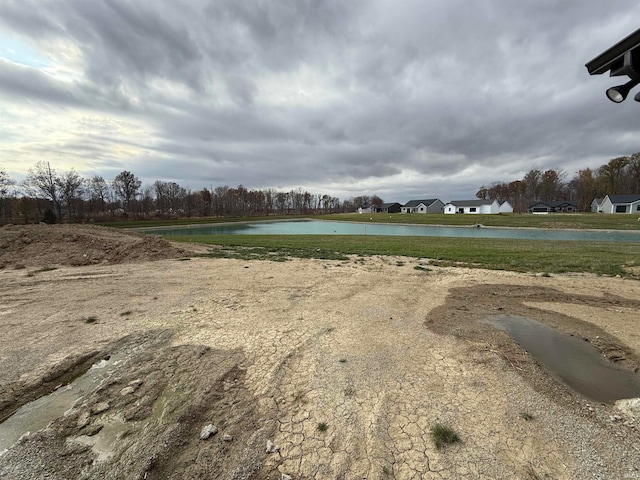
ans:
(344, 365)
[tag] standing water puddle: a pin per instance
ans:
(574, 362)
(39, 413)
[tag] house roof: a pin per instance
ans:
(597, 201)
(415, 203)
(635, 197)
(470, 203)
(387, 205)
(554, 204)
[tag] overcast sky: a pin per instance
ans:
(403, 99)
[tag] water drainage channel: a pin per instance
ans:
(571, 360)
(39, 413)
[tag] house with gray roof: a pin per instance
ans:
(394, 207)
(553, 207)
(432, 205)
(621, 204)
(473, 207)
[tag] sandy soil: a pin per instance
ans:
(372, 349)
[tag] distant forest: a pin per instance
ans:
(617, 177)
(49, 195)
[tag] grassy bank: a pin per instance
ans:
(556, 221)
(504, 254)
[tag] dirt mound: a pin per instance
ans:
(45, 245)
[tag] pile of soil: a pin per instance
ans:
(44, 245)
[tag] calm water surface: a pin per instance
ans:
(319, 227)
(571, 360)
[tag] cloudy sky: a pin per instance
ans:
(403, 99)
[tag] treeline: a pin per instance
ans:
(617, 177)
(48, 195)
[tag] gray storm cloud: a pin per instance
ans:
(347, 98)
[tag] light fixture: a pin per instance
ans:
(619, 93)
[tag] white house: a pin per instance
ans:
(371, 209)
(621, 204)
(473, 207)
(596, 205)
(506, 207)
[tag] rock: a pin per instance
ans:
(284, 476)
(93, 430)
(227, 438)
(127, 391)
(272, 447)
(629, 406)
(83, 419)
(100, 407)
(136, 383)
(207, 431)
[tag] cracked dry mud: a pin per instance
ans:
(376, 352)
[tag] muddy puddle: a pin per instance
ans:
(39, 413)
(571, 360)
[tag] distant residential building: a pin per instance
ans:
(432, 205)
(621, 204)
(473, 207)
(389, 208)
(596, 205)
(506, 207)
(367, 209)
(553, 207)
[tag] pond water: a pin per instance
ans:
(571, 360)
(37, 414)
(320, 227)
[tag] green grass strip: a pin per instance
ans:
(517, 255)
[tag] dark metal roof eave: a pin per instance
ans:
(602, 62)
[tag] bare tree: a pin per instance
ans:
(99, 191)
(42, 180)
(6, 186)
(613, 173)
(71, 188)
(634, 173)
(126, 185)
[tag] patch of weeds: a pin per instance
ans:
(330, 329)
(184, 259)
(421, 268)
(195, 309)
(349, 391)
(526, 416)
(343, 360)
(386, 471)
(322, 427)
(91, 319)
(155, 298)
(126, 314)
(443, 435)
(399, 264)
(46, 269)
